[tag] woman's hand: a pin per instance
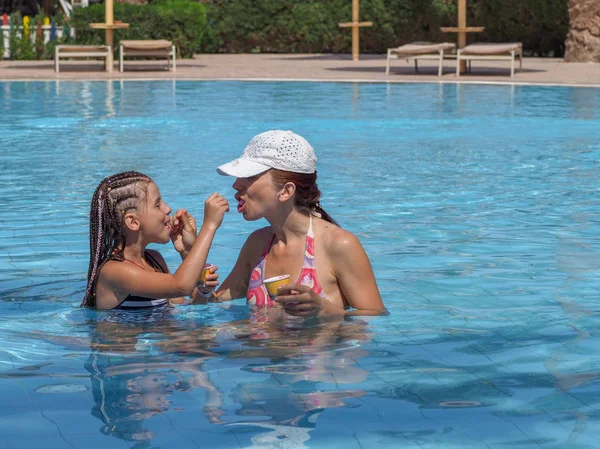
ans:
(215, 207)
(300, 300)
(184, 231)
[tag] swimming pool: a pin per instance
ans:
(478, 206)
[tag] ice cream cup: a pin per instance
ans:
(273, 283)
(205, 272)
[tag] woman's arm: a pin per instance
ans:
(236, 284)
(355, 275)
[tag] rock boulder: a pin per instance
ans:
(583, 40)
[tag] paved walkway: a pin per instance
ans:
(371, 68)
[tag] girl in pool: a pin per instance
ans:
(127, 214)
(330, 271)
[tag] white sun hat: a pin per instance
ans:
(283, 150)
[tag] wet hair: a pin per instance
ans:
(307, 191)
(113, 197)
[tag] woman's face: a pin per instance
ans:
(256, 196)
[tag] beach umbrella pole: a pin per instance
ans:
(355, 25)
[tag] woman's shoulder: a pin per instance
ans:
(260, 235)
(255, 244)
(337, 240)
(257, 240)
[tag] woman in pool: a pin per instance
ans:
(329, 269)
(127, 214)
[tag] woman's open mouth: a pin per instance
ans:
(241, 206)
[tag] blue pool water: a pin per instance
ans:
(478, 206)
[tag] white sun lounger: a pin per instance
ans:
(491, 52)
(421, 50)
(82, 51)
(148, 49)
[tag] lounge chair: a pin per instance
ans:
(421, 50)
(148, 49)
(491, 52)
(82, 51)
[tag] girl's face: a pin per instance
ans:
(256, 196)
(155, 222)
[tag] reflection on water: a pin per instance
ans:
(287, 371)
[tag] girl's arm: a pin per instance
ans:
(125, 279)
(183, 239)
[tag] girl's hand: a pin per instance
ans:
(210, 283)
(184, 231)
(300, 300)
(215, 207)
(212, 277)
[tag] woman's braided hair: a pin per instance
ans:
(113, 197)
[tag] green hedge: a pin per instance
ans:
(311, 25)
(180, 21)
(542, 25)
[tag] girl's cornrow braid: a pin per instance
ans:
(96, 235)
(99, 247)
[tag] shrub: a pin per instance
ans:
(21, 47)
(180, 21)
(542, 25)
(312, 25)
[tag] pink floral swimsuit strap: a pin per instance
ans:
(257, 292)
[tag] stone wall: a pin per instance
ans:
(583, 40)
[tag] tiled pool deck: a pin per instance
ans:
(323, 67)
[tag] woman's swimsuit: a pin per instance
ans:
(138, 302)
(257, 292)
